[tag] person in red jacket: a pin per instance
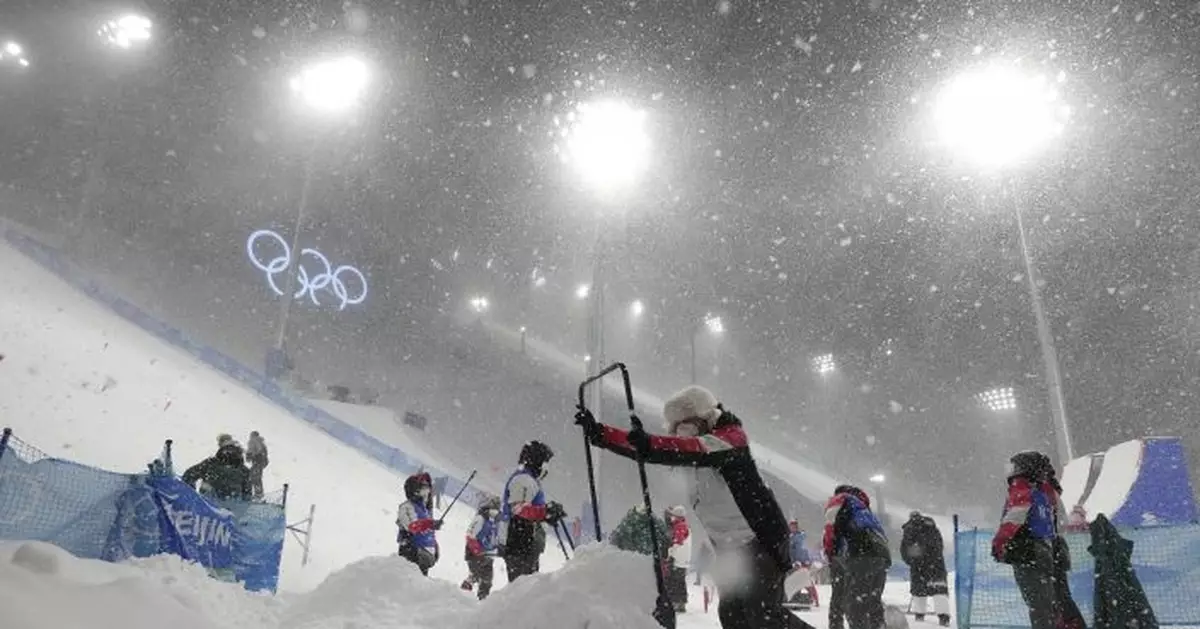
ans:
(678, 556)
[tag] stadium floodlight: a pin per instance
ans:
(824, 364)
(479, 304)
(126, 31)
(582, 291)
(714, 324)
(997, 116)
(878, 479)
(14, 53)
(608, 144)
(999, 399)
(332, 86)
(637, 309)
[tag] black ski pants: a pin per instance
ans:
(837, 595)
(677, 588)
(518, 566)
(483, 571)
(1035, 579)
(424, 559)
(757, 601)
(863, 581)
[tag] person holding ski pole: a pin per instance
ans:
(523, 510)
(417, 529)
(733, 504)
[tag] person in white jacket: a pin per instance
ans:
(678, 556)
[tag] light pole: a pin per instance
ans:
(998, 117)
(607, 144)
(329, 89)
(715, 326)
(125, 35)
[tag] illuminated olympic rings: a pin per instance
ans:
(328, 277)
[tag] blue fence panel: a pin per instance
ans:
(1166, 560)
(96, 514)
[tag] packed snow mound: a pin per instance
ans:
(379, 592)
(43, 587)
(600, 587)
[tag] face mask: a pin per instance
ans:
(687, 429)
(1009, 469)
(493, 513)
(423, 492)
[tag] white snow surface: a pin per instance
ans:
(43, 587)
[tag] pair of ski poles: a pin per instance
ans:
(664, 610)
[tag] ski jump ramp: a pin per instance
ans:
(1143, 482)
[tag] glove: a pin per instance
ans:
(555, 512)
(437, 525)
(585, 420)
(639, 440)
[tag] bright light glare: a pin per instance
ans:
(998, 399)
(824, 364)
(479, 304)
(12, 48)
(714, 324)
(126, 31)
(608, 143)
(637, 308)
(522, 329)
(998, 116)
(334, 85)
(878, 479)
(582, 291)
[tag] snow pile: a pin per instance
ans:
(599, 587)
(379, 592)
(43, 587)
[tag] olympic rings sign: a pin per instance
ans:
(327, 277)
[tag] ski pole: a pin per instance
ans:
(664, 610)
(567, 533)
(561, 546)
(456, 496)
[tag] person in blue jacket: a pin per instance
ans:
(417, 528)
(481, 547)
(802, 561)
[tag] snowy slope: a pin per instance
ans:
(82, 383)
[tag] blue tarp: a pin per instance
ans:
(97, 514)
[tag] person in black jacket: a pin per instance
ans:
(855, 541)
(223, 476)
(745, 525)
(921, 548)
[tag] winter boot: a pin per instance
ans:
(944, 620)
(467, 585)
(920, 617)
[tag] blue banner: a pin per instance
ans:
(96, 514)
